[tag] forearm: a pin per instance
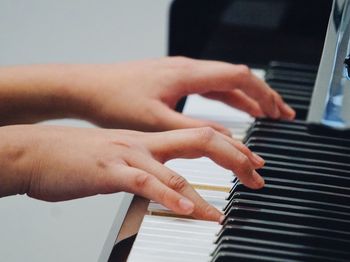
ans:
(29, 94)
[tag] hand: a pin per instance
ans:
(143, 95)
(60, 163)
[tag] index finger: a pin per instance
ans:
(198, 142)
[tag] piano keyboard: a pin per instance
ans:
(302, 213)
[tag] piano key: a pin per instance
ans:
(289, 77)
(180, 239)
(305, 176)
(253, 195)
(301, 144)
(286, 236)
(310, 154)
(296, 136)
(326, 253)
(293, 192)
(215, 198)
(293, 66)
(306, 168)
(288, 226)
(303, 161)
(288, 217)
(239, 256)
(241, 202)
(290, 86)
(275, 253)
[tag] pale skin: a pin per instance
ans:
(61, 163)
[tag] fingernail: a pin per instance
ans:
(186, 205)
(258, 180)
(258, 159)
(222, 219)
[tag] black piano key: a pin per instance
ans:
(304, 161)
(287, 72)
(293, 66)
(291, 86)
(296, 135)
(287, 76)
(281, 122)
(333, 234)
(306, 168)
(274, 215)
(328, 180)
(239, 202)
(310, 154)
(286, 236)
(292, 91)
(253, 195)
(241, 257)
(293, 192)
(328, 254)
(276, 253)
(287, 250)
(300, 144)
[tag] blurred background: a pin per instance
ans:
(71, 31)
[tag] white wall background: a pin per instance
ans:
(84, 31)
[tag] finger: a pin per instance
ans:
(170, 120)
(256, 160)
(142, 183)
(208, 76)
(239, 100)
(269, 100)
(202, 210)
(197, 142)
(287, 112)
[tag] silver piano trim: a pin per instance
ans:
(330, 105)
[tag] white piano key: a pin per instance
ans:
(259, 72)
(141, 238)
(179, 254)
(161, 237)
(197, 105)
(141, 257)
(215, 198)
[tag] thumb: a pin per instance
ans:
(170, 119)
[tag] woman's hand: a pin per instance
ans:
(135, 95)
(143, 95)
(60, 163)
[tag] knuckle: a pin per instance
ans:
(269, 96)
(205, 134)
(178, 183)
(244, 165)
(141, 181)
(242, 71)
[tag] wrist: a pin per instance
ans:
(16, 159)
(30, 94)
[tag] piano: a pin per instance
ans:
(303, 212)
